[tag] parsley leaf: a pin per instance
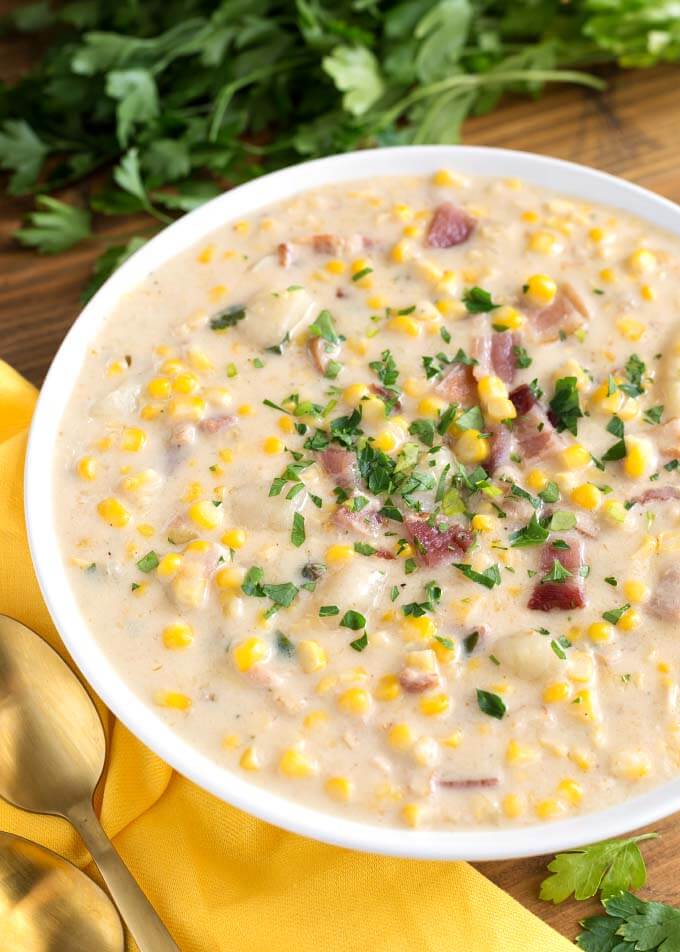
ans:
(522, 358)
(532, 534)
(610, 867)
(54, 227)
(21, 152)
(564, 406)
(491, 704)
(478, 301)
(353, 620)
(324, 327)
(227, 318)
(488, 578)
(297, 534)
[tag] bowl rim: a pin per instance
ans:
(478, 844)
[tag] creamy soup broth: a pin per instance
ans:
(373, 496)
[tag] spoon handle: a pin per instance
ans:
(135, 909)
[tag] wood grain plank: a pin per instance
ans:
(631, 130)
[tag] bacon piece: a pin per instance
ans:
(656, 494)
(385, 394)
(322, 353)
(385, 554)
(467, 783)
(415, 682)
(285, 253)
(458, 385)
(534, 431)
(341, 466)
(494, 354)
(217, 423)
(434, 546)
(500, 447)
(566, 313)
(566, 595)
(365, 522)
(665, 602)
(449, 226)
(340, 245)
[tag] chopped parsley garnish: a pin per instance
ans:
(445, 642)
(360, 643)
(491, 704)
(363, 548)
(532, 534)
(470, 642)
(611, 580)
(557, 573)
(279, 348)
(488, 578)
(559, 646)
(653, 414)
(324, 327)
(297, 535)
(433, 366)
(445, 336)
(227, 318)
(562, 521)
(385, 368)
(281, 594)
(522, 358)
(362, 274)
(551, 493)
(673, 464)
(471, 419)
(461, 357)
(424, 430)
(410, 565)
(478, 301)
(134, 586)
(635, 369)
(284, 645)
(394, 593)
(565, 406)
(615, 614)
(355, 621)
(148, 562)
(327, 610)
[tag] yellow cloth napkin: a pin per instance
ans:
(221, 880)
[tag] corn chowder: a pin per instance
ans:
(375, 495)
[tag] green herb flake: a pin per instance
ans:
(227, 318)
(297, 535)
(478, 301)
(148, 562)
(353, 620)
(491, 704)
(360, 643)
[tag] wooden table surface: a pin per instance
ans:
(632, 130)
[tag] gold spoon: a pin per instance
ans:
(52, 752)
(46, 903)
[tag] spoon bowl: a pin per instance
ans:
(52, 754)
(47, 904)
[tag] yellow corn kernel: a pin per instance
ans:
(172, 699)
(385, 441)
(388, 688)
(498, 409)
(249, 759)
(491, 386)
(576, 456)
(537, 480)
(512, 805)
(205, 515)
(663, 667)
(557, 691)
(412, 231)
(312, 656)
(452, 740)
(250, 652)
(600, 631)
(571, 790)
(339, 553)
(419, 629)
(273, 445)
(443, 654)
(169, 564)
(315, 719)
(355, 701)
(178, 635)
(400, 736)
(640, 457)
(529, 216)
(206, 255)
(630, 328)
(596, 234)
(286, 424)
(226, 455)
(635, 590)
(629, 621)
(114, 512)
(471, 447)
(242, 227)
(549, 809)
(336, 266)
(412, 814)
(648, 293)
(198, 358)
(246, 409)
(642, 261)
(404, 324)
(193, 492)
(431, 406)
(582, 759)
(517, 753)
(355, 393)
(631, 764)
(401, 252)
(339, 788)
(116, 367)
(482, 523)
(508, 317)
(186, 409)
(402, 211)
(228, 577)
(133, 439)
(145, 529)
(587, 496)
(159, 387)
(141, 589)
(450, 307)
(443, 178)
(185, 382)
(544, 243)
(150, 411)
(87, 468)
(615, 511)
(172, 366)
(296, 764)
(434, 705)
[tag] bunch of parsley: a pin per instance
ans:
(176, 99)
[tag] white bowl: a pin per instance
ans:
(40, 501)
